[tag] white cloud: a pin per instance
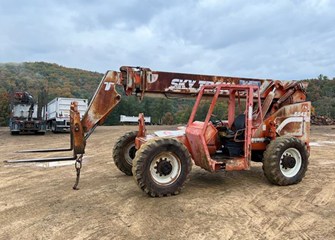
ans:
(289, 39)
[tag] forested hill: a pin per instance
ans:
(57, 80)
(35, 77)
(60, 81)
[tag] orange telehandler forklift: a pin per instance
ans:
(268, 121)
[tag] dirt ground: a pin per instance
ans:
(37, 202)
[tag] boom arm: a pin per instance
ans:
(140, 81)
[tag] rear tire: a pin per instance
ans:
(124, 152)
(161, 167)
(285, 161)
(54, 126)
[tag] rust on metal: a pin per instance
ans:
(141, 131)
(140, 81)
(202, 136)
(236, 164)
(104, 100)
(77, 132)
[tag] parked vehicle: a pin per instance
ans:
(58, 113)
(133, 119)
(26, 115)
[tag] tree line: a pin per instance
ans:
(59, 81)
(321, 92)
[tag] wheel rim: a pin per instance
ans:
(129, 153)
(290, 162)
(165, 168)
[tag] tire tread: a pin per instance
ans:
(145, 153)
(271, 160)
(118, 155)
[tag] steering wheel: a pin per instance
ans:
(215, 120)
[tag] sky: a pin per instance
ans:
(286, 39)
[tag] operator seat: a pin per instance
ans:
(238, 124)
(230, 147)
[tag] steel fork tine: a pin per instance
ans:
(45, 150)
(41, 159)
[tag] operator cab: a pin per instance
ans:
(230, 137)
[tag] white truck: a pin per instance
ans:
(58, 113)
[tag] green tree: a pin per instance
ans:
(4, 108)
(167, 119)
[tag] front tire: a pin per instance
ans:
(161, 167)
(285, 161)
(124, 152)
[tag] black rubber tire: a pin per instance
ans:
(145, 157)
(272, 160)
(15, 133)
(53, 127)
(122, 158)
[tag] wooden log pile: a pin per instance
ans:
(322, 120)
